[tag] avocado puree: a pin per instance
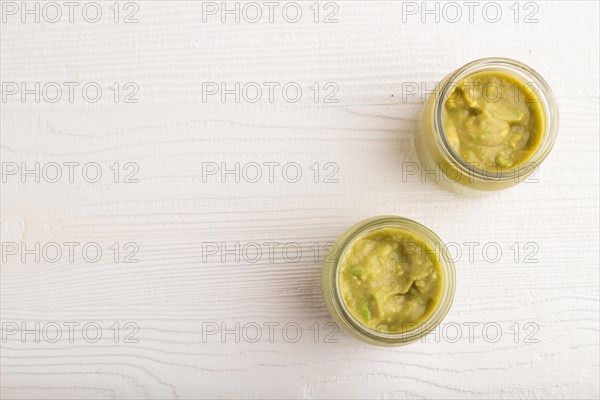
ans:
(390, 280)
(494, 121)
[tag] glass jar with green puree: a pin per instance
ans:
(388, 281)
(487, 126)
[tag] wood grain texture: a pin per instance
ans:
(173, 294)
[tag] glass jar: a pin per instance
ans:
(331, 281)
(441, 162)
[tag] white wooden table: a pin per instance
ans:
(212, 307)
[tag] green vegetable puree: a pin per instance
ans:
(493, 121)
(390, 280)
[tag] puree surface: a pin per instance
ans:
(494, 121)
(390, 279)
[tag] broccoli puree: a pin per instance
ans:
(494, 121)
(390, 280)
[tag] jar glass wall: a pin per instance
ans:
(443, 163)
(338, 308)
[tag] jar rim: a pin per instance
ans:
(548, 105)
(422, 232)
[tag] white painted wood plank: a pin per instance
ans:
(173, 294)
